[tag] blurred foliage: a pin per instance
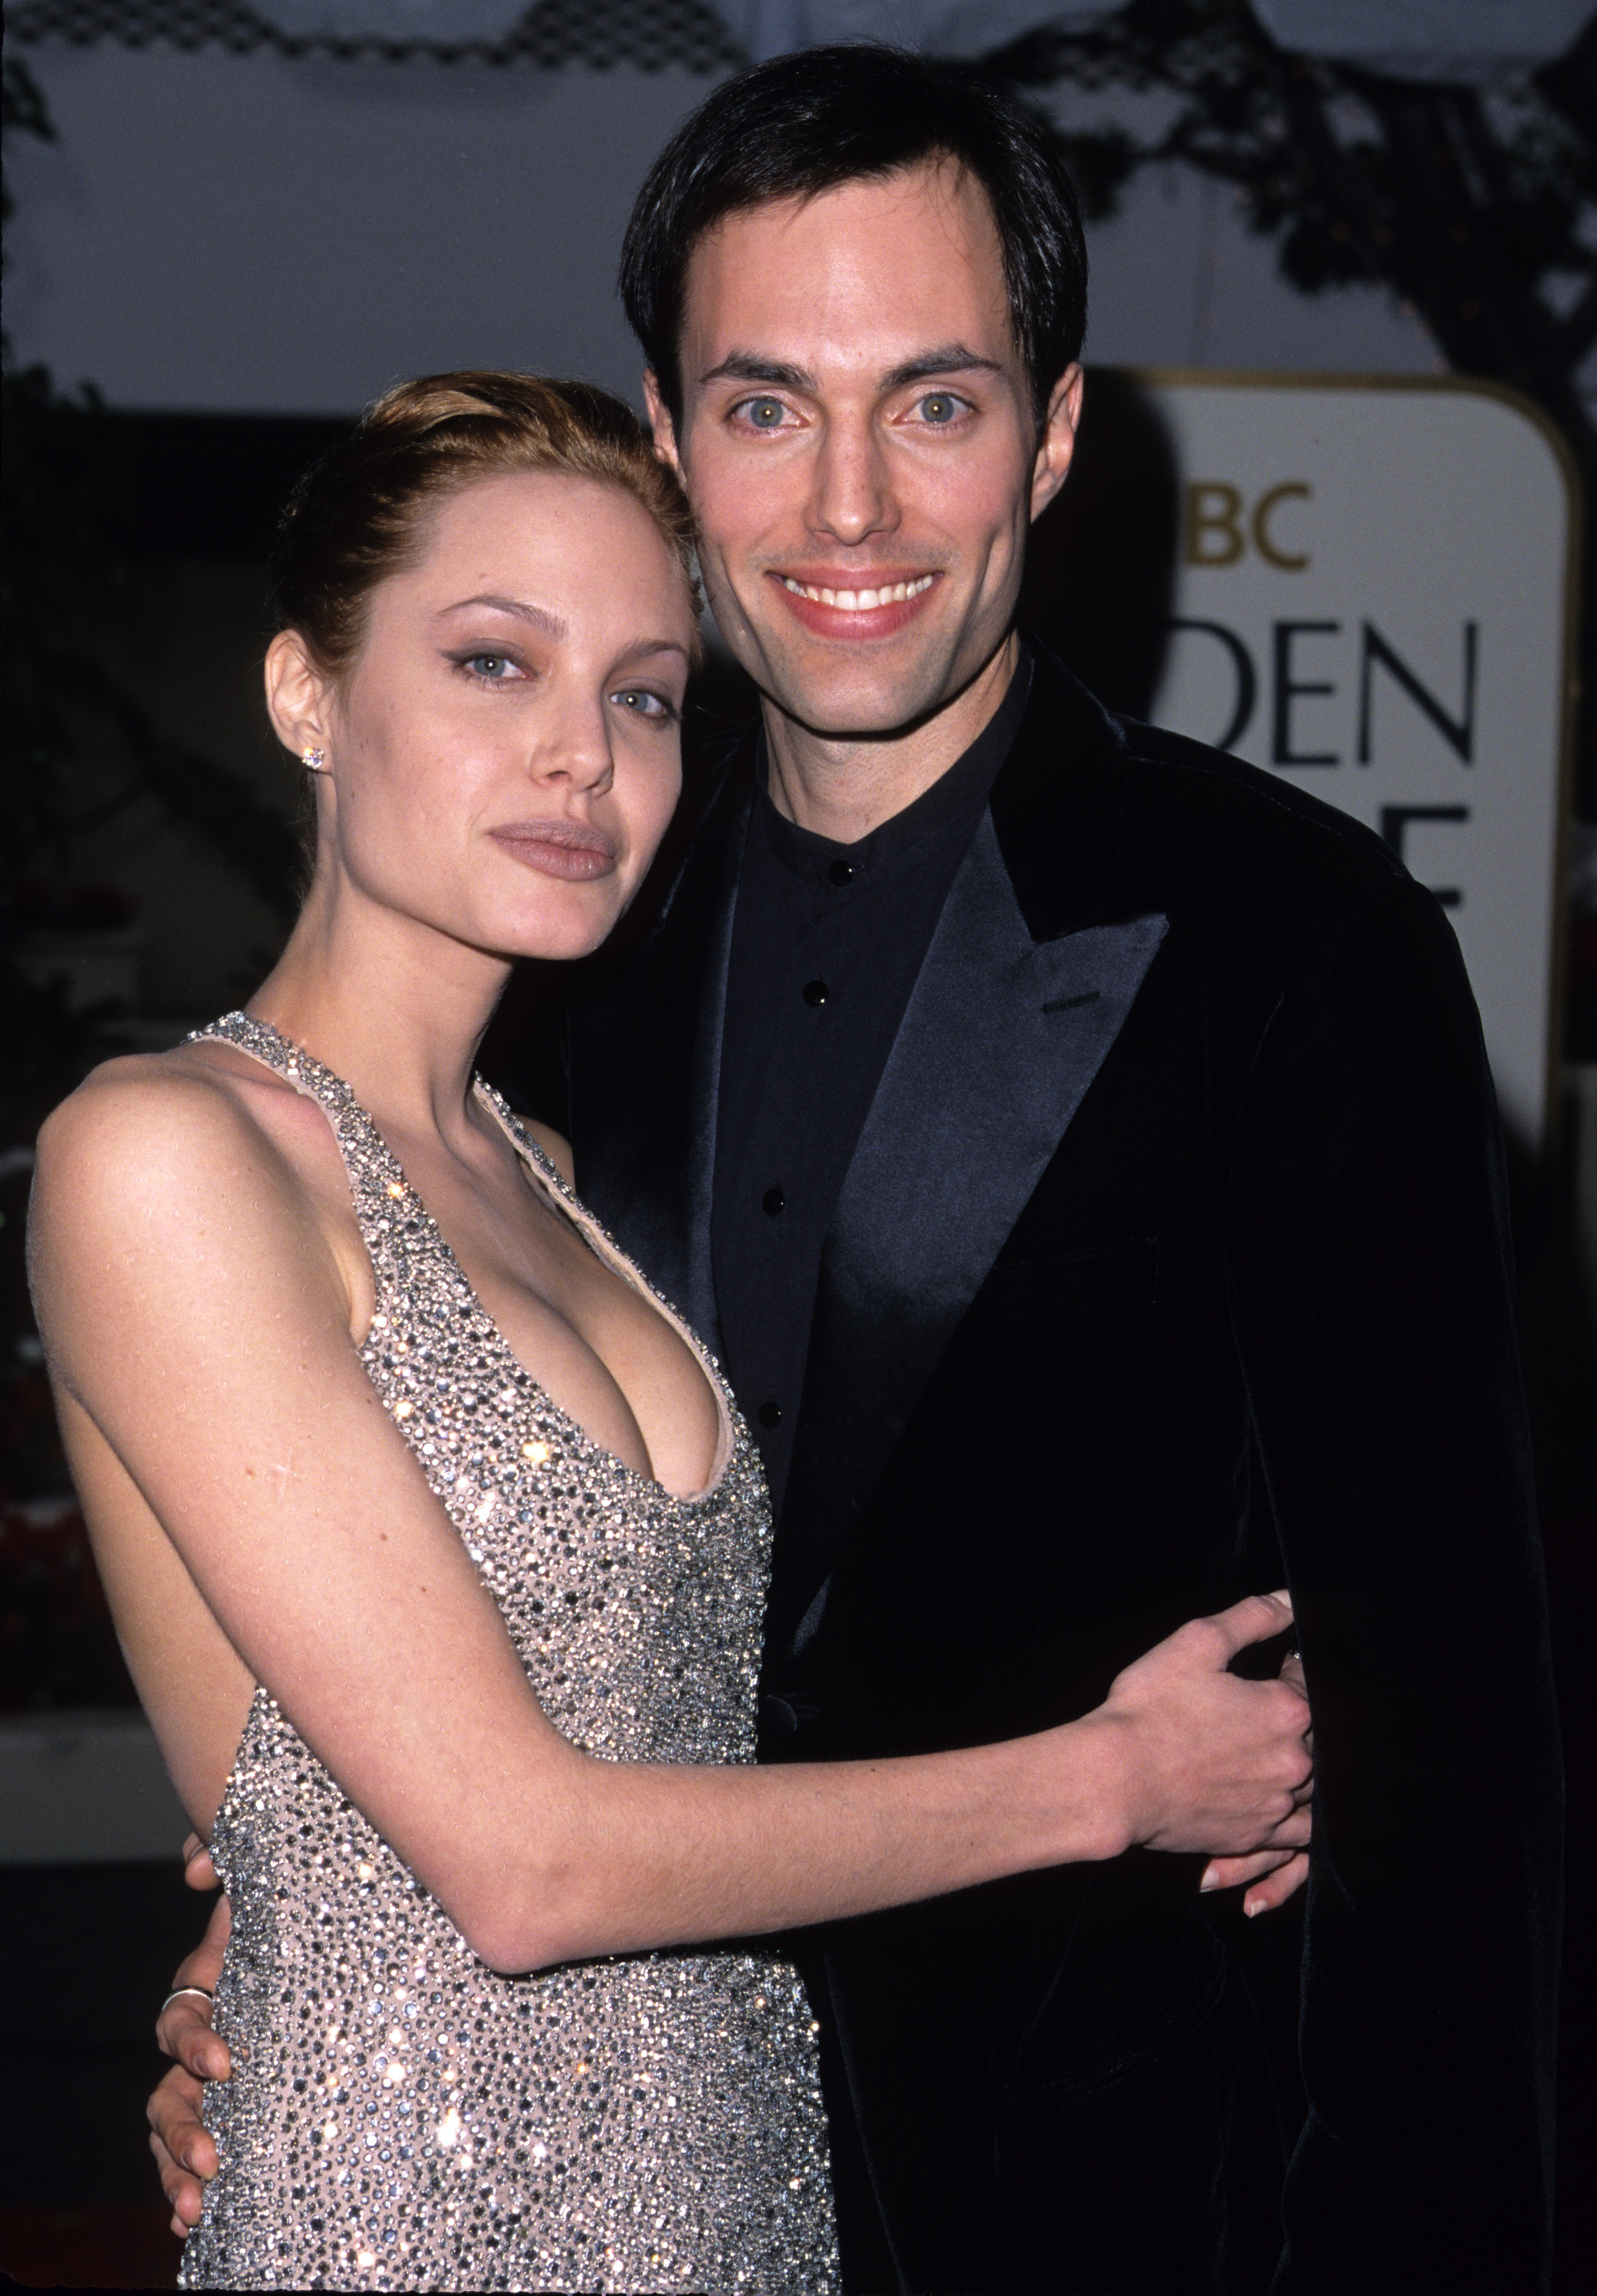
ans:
(1478, 208)
(69, 579)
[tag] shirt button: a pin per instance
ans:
(770, 1413)
(772, 1202)
(815, 992)
(841, 873)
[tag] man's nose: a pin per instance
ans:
(575, 749)
(853, 496)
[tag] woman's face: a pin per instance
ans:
(503, 756)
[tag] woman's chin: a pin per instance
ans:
(554, 940)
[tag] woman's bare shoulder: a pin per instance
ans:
(130, 1118)
(154, 1143)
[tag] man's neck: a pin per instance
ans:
(844, 789)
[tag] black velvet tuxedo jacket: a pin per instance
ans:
(1171, 1265)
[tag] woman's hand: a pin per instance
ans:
(185, 2153)
(1209, 1762)
(1277, 1875)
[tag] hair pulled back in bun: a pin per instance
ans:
(360, 513)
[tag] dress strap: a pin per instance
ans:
(387, 1208)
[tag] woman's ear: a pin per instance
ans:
(299, 696)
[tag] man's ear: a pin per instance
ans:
(299, 696)
(662, 425)
(1057, 444)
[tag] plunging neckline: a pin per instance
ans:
(563, 1199)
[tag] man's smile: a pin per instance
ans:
(848, 607)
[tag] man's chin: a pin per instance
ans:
(858, 701)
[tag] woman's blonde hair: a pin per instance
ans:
(359, 513)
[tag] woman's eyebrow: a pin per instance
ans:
(647, 646)
(539, 617)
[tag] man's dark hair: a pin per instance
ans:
(808, 123)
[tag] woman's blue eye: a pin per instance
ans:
(642, 703)
(488, 665)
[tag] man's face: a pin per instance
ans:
(859, 446)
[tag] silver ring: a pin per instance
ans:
(176, 1995)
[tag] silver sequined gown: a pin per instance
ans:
(405, 2118)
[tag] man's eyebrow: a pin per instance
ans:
(539, 617)
(946, 358)
(753, 367)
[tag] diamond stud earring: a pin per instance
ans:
(315, 761)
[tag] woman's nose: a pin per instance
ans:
(576, 750)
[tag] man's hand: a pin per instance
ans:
(185, 2154)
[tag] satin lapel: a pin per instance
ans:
(649, 1079)
(694, 1140)
(999, 1044)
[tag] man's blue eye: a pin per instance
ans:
(765, 413)
(939, 407)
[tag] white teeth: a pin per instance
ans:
(860, 601)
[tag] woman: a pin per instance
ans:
(435, 1543)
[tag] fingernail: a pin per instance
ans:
(1251, 1905)
(1208, 1882)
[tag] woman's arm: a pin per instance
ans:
(196, 1324)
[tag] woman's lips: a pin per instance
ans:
(854, 605)
(572, 849)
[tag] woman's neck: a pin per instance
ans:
(392, 1005)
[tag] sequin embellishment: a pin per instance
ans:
(406, 2118)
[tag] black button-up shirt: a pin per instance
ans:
(826, 944)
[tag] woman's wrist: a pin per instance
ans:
(1089, 1785)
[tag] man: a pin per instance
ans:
(1079, 1147)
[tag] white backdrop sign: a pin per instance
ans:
(1373, 600)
